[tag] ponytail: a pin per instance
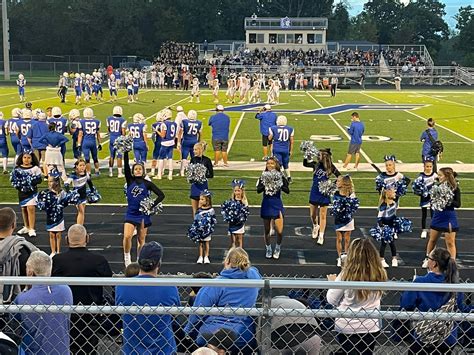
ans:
(447, 265)
(452, 273)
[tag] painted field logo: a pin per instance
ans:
(325, 110)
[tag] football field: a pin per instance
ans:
(394, 122)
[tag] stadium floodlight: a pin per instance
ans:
(6, 41)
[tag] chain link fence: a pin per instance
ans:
(289, 317)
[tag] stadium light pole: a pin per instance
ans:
(6, 42)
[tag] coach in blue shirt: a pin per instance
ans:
(220, 124)
(356, 130)
(267, 119)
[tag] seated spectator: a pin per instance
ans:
(236, 266)
(293, 335)
(148, 334)
(132, 270)
(358, 335)
(44, 333)
(442, 269)
(78, 261)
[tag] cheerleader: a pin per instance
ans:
(215, 90)
(53, 141)
(195, 90)
(344, 205)
(197, 187)
(52, 201)
(138, 189)
(391, 179)
(78, 180)
(272, 205)
(421, 187)
(203, 226)
(386, 217)
(444, 219)
(319, 202)
(25, 178)
(238, 204)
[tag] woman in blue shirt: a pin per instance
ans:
(236, 266)
(442, 269)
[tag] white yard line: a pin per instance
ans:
(424, 119)
(375, 98)
(15, 93)
(364, 154)
(234, 133)
(448, 101)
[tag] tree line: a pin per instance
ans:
(139, 26)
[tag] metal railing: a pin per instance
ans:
(268, 326)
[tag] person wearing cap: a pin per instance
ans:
(38, 129)
(267, 119)
(89, 132)
(220, 124)
(61, 125)
(78, 261)
(148, 334)
(116, 125)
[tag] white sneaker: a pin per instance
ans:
(200, 260)
(127, 260)
(384, 264)
(52, 255)
(269, 253)
(111, 174)
(157, 177)
(120, 176)
(339, 262)
(395, 236)
(320, 240)
(424, 234)
(425, 263)
(170, 177)
(206, 260)
(315, 232)
(394, 262)
(24, 230)
(276, 253)
(32, 233)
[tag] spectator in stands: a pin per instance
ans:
(356, 130)
(148, 334)
(267, 119)
(44, 333)
(429, 137)
(442, 269)
(357, 335)
(293, 335)
(78, 261)
(220, 124)
(14, 253)
(236, 267)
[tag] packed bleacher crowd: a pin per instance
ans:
(174, 54)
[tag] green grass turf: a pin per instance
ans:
(452, 109)
(177, 191)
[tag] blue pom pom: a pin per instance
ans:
(93, 195)
(202, 227)
(402, 225)
(23, 181)
(379, 183)
(384, 233)
(419, 187)
(343, 208)
(234, 212)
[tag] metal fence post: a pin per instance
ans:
(266, 320)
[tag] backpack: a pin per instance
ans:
(432, 331)
(10, 250)
(436, 146)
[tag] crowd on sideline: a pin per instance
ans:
(164, 334)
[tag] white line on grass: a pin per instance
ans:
(234, 134)
(459, 162)
(15, 93)
(364, 154)
(424, 119)
(375, 98)
(448, 101)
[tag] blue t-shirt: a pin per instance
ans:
(356, 130)
(147, 334)
(37, 131)
(281, 138)
(220, 124)
(267, 119)
(54, 139)
(427, 141)
(45, 333)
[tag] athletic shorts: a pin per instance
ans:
(354, 148)
(220, 145)
(265, 141)
(166, 152)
